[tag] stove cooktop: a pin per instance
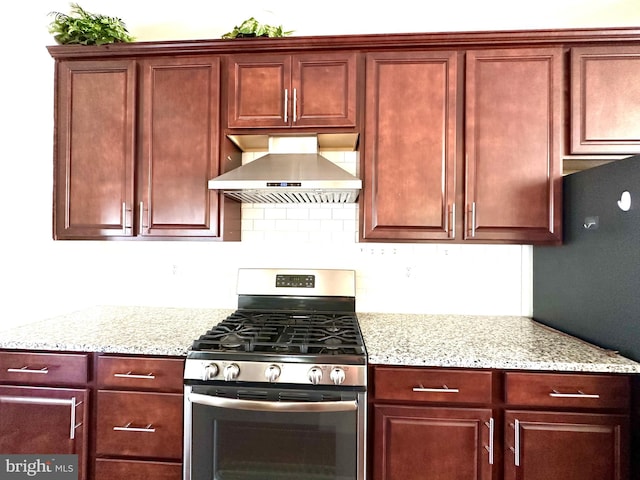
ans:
(295, 333)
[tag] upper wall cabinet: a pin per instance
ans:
(136, 143)
(513, 145)
(179, 145)
(605, 100)
(304, 90)
(410, 146)
(95, 149)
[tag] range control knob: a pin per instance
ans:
(337, 376)
(231, 372)
(272, 373)
(209, 371)
(315, 375)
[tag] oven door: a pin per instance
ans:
(271, 433)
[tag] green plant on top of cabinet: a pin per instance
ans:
(285, 91)
(605, 100)
(136, 143)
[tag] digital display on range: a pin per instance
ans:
(296, 281)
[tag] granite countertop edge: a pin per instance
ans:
(452, 341)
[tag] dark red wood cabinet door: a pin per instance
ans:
(324, 90)
(414, 443)
(43, 420)
(513, 145)
(570, 446)
(94, 154)
(259, 87)
(179, 147)
(605, 100)
(410, 146)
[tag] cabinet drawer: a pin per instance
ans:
(108, 469)
(432, 385)
(141, 373)
(139, 424)
(43, 368)
(567, 390)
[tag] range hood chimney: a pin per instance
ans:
(292, 172)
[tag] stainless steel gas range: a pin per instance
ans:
(277, 390)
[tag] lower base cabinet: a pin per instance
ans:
(107, 469)
(414, 443)
(570, 446)
(44, 405)
(456, 424)
(139, 417)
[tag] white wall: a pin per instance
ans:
(42, 278)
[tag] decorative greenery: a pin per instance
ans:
(84, 28)
(252, 28)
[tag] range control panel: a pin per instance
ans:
(296, 281)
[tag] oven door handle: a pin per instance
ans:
(260, 406)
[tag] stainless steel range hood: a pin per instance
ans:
(292, 172)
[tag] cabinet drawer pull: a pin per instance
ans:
(443, 389)
(70, 402)
(26, 369)
(148, 376)
(128, 428)
(579, 394)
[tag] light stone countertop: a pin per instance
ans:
(114, 329)
(482, 342)
(390, 339)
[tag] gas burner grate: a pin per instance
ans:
(285, 332)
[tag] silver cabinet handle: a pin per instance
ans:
(516, 442)
(473, 219)
(286, 105)
(578, 394)
(259, 406)
(452, 227)
(295, 105)
(26, 369)
(124, 218)
(148, 376)
(491, 426)
(71, 402)
(128, 428)
(443, 389)
(141, 226)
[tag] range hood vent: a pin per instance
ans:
(292, 172)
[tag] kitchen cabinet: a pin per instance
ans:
(514, 425)
(411, 128)
(139, 417)
(513, 139)
(566, 426)
(94, 148)
(605, 100)
(432, 422)
(287, 91)
(414, 188)
(136, 143)
(44, 405)
(179, 148)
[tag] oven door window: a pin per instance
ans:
(254, 437)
